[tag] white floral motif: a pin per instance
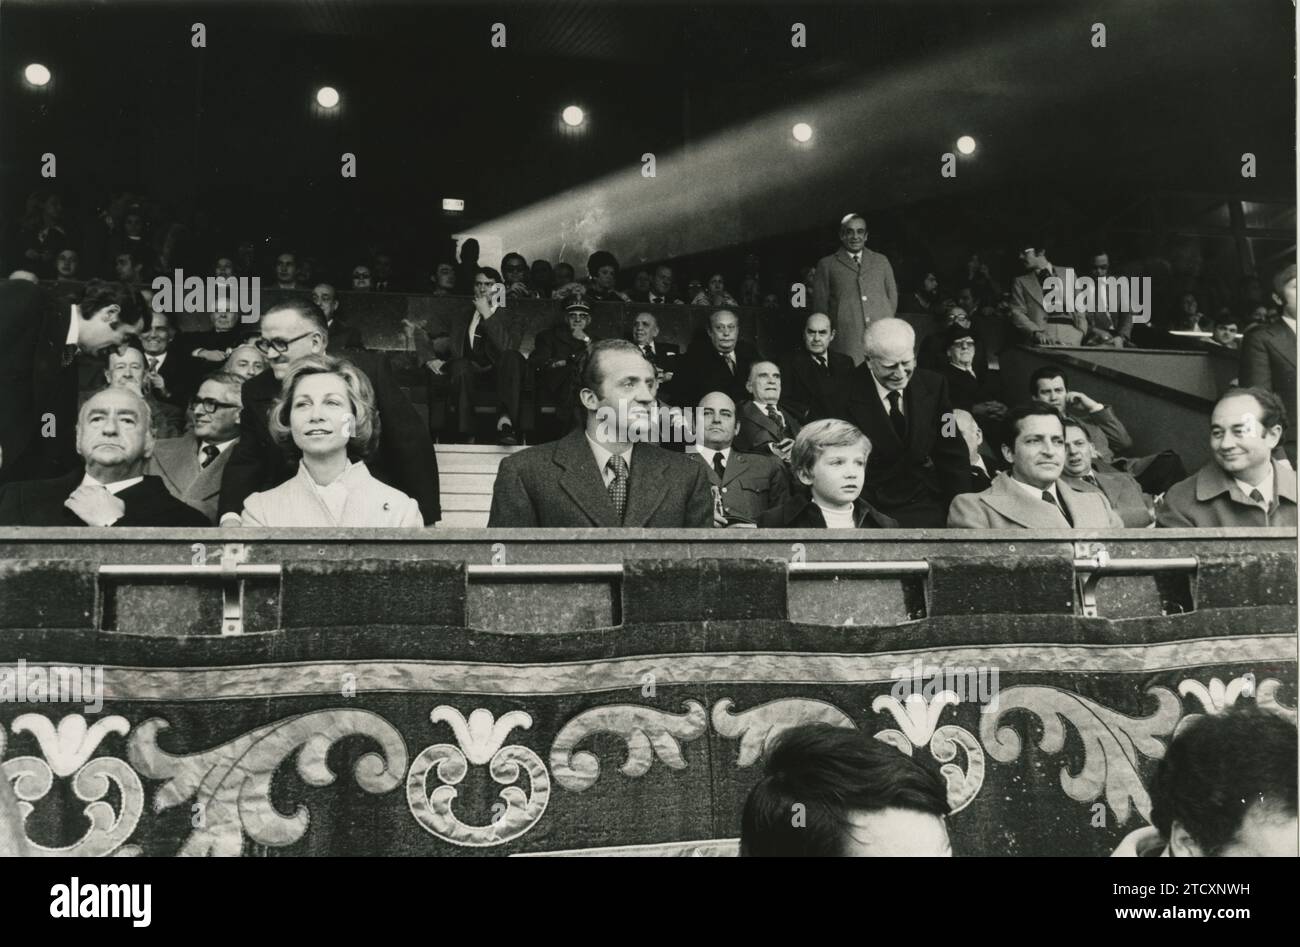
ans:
(71, 744)
(916, 716)
(1218, 697)
(480, 742)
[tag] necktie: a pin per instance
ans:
(730, 359)
(618, 486)
(1257, 497)
(645, 349)
(1048, 497)
(1042, 276)
(857, 259)
(153, 364)
(896, 415)
(820, 360)
(1092, 480)
(719, 467)
(69, 353)
(775, 415)
(476, 343)
(210, 453)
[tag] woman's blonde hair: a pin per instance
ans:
(361, 395)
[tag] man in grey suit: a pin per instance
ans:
(1268, 356)
(855, 287)
(766, 427)
(191, 465)
(1033, 323)
(1134, 507)
(744, 485)
(604, 473)
(1031, 495)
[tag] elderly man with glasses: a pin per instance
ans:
(191, 466)
(403, 458)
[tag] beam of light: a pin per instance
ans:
(37, 74)
(966, 145)
(572, 116)
(802, 131)
(327, 97)
(882, 146)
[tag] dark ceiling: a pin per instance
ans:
(431, 110)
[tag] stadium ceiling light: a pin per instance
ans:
(573, 116)
(966, 145)
(802, 131)
(37, 74)
(327, 97)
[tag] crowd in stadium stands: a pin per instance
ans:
(874, 421)
(1226, 787)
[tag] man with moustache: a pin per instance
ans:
(604, 473)
(403, 458)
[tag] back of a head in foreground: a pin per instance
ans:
(1227, 785)
(831, 791)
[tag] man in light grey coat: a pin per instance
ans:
(855, 287)
(191, 465)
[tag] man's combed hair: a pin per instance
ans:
(98, 294)
(360, 393)
(1010, 427)
(1046, 371)
(304, 305)
(1220, 766)
(830, 772)
(1272, 410)
(230, 380)
(588, 372)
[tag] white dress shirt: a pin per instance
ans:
(116, 487)
(708, 454)
(603, 454)
(883, 393)
(221, 449)
(1265, 488)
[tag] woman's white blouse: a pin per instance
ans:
(355, 499)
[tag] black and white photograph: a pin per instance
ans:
(581, 428)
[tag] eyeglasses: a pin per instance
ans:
(964, 344)
(265, 345)
(210, 405)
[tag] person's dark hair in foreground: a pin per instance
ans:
(1227, 786)
(831, 791)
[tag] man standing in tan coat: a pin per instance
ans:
(855, 287)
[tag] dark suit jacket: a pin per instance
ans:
(344, 335)
(176, 461)
(967, 391)
(1268, 362)
(403, 459)
(182, 373)
(40, 503)
(757, 430)
(750, 484)
(702, 370)
(927, 465)
(800, 512)
(497, 338)
(33, 384)
(558, 485)
(672, 299)
(551, 345)
(812, 392)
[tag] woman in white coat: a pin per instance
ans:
(326, 414)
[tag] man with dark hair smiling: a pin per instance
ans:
(403, 458)
(1226, 787)
(834, 791)
(1243, 484)
(1030, 495)
(604, 473)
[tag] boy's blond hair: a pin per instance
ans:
(817, 436)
